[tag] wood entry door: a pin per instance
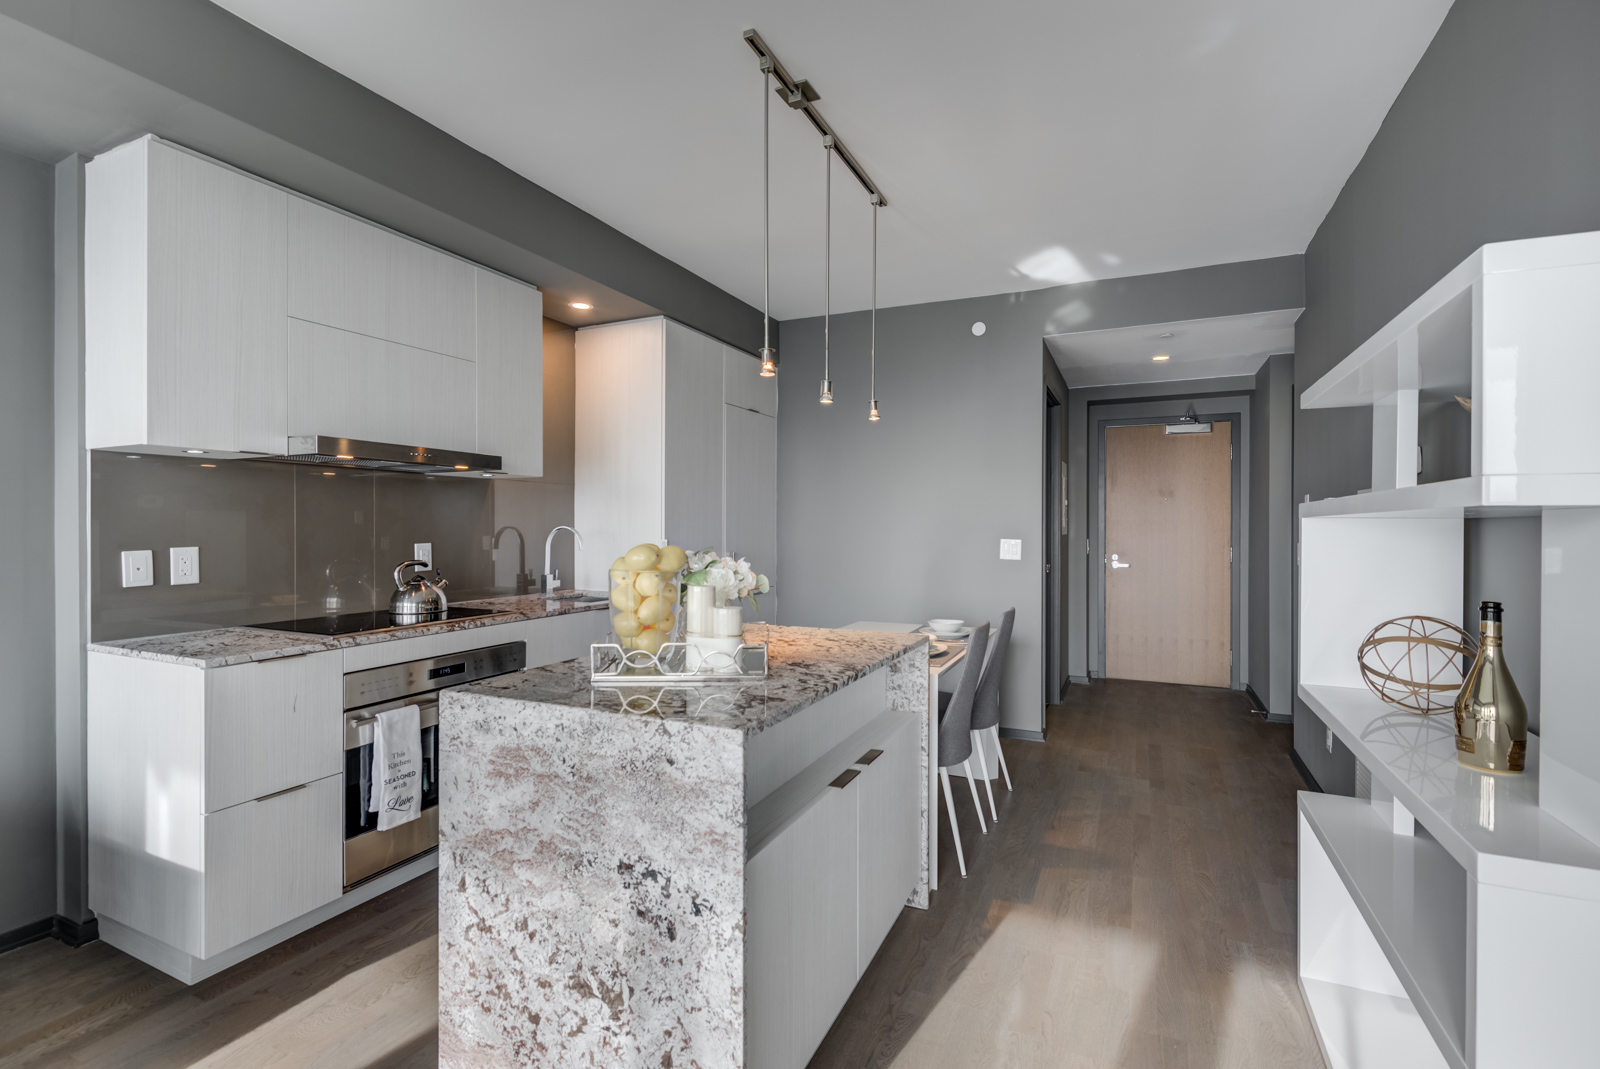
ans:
(1168, 567)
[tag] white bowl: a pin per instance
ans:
(945, 627)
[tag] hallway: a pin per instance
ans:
(1134, 908)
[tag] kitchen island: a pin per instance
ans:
(684, 876)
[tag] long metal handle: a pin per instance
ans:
(402, 566)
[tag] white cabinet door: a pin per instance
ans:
(750, 488)
(510, 373)
(618, 461)
(743, 384)
(800, 925)
(270, 860)
(693, 399)
(184, 300)
(888, 836)
(348, 273)
(350, 385)
(271, 725)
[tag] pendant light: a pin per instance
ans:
(827, 262)
(873, 350)
(769, 355)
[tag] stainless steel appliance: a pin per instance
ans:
(418, 598)
(328, 452)
(368, 851)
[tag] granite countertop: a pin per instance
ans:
(224, 646)
(804, 665)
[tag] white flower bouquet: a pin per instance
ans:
(732, 579)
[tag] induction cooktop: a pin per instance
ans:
(359, 623)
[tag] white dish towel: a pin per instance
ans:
(396, 794)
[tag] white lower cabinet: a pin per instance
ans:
(269, 860)
(800, 948)
(821, 895)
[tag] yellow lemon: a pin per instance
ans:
(669, 593)
(642, 558)
(667, 623)
(649, 640)
(625, 598)
(626, 625)
(672, 558)
(651, 610)
(648, 583)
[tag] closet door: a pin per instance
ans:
(693, 439)
(750, 488)
(511, 373)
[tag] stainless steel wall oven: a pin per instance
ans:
(368, 851)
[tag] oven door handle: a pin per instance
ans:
(430, 712)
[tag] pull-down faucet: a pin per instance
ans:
(550, 581)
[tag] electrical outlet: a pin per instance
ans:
(1328, 742)
(138, 567)
(1011, 549)
(184, 565)
(422, 551)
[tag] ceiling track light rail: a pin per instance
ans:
(800, 95)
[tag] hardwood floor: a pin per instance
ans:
(1133, 908)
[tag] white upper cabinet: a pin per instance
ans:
(662, 454)
(510, 372)
(184, 271)
(227, 314)
(743, 386)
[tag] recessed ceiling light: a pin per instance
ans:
(461, 467)
(327, 473)
(1161, 358)
(195, 451)
(1168, 334)
(488, 475)
(208, 465)
(130, 456)
(582, 306)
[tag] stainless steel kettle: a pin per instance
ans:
(417, 598)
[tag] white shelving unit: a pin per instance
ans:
(1454, 918)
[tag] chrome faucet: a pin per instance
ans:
(524, 580)
(550, 581)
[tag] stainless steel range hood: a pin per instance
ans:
(382, 456)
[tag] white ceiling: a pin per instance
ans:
(1196, 348)
(1020, 143)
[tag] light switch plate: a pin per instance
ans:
(183, 565)
(138, 567)
(1011, 549)
(422, 551)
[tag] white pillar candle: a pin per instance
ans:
(730, 621)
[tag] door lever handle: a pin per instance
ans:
(1115, 563)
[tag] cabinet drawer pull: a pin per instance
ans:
(869, 757)
(280, 794)
(842, 780)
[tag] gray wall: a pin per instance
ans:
(901, 519)
(1271, 641)
(27, 721)
(1496, 136)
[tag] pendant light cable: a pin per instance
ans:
(827, 263)
(769, 362)
(873, 349)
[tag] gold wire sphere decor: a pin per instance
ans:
(1417, 662)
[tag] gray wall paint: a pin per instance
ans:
(1495, 136)
(901, 519)
(1272, 536)
(27, 702)
(102, 71)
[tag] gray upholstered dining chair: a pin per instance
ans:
(986, 707)
(955, 735)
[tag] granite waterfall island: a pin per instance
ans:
(681, 877)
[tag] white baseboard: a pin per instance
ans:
(191, 970)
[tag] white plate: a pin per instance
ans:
(936, 648)
(955, 637)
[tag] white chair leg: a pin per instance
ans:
(955, 829)
(977, 805)
(983, 769)
(1002, 755)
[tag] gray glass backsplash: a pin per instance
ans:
(276, 540)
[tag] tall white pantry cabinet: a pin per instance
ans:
(225, 313)
(677, 442)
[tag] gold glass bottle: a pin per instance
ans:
(1491, 719)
